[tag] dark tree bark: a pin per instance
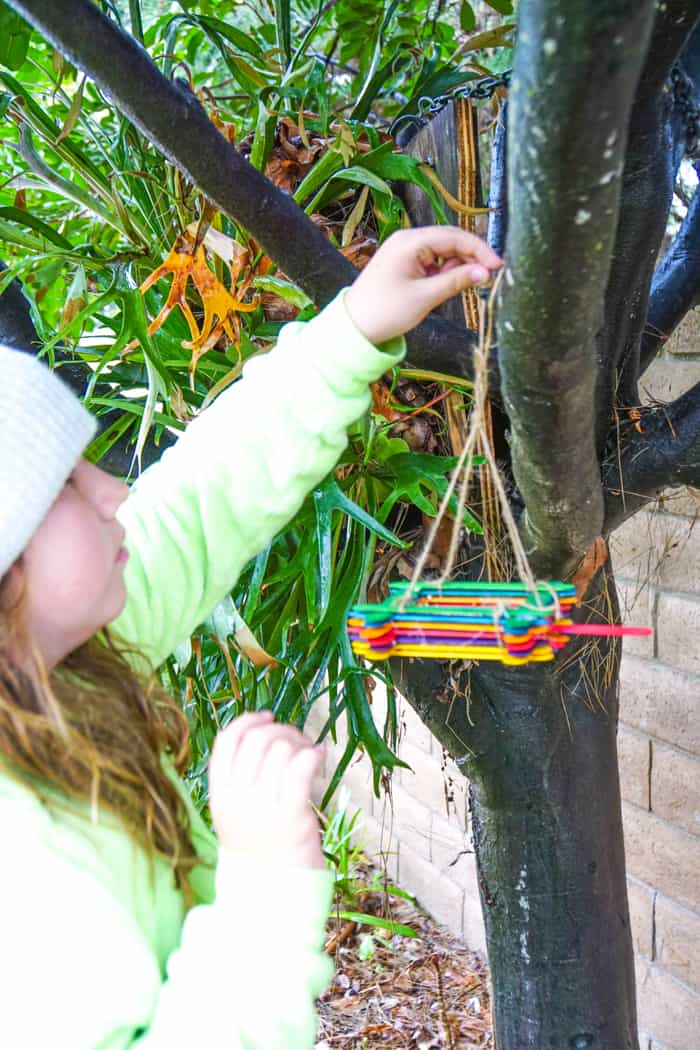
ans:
(564, 191)
(538, 746)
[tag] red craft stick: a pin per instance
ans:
(605, 630)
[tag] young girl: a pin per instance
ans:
(123, 924)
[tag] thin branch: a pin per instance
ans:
(663, 454)
(676, 287)
(175, 122)
(576, 70)
(498, 189)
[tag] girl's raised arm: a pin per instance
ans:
(243, 468)
(239, 473)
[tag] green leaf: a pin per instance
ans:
(504, 7)
(283, 29)
(328, 498)
(285, 289)
(401, 167)
(15, 35)
(25, 218)
(419, 478)
(381, 756)
(324, 169)
(375, 920)
(467, 18)
(356, 174)
(264, 136)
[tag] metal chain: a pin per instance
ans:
(429, 105)
(485, 88)
(684, 101)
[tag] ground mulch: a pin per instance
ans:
(429, 993)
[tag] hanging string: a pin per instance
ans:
(478, 434)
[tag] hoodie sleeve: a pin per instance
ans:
(263, 939)
(239, 473)
(78, 972)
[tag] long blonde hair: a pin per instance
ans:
(95, 730)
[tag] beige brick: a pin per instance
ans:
(473, 930)
(678, 941)
(452, 851)
(667, 1008)
(458, 792)
(675, 787)
(662, 855)
(412, 820)
(641, 904)
(634, 749)
(681, 500)
(678, 624)
(379, 842)
(686, 338)
(412, 729)
(425, 779)
(667, 378)
(637, 603)
(662, 549)
(358, 780)
(441, 897)
(316, 718)
(661, 701)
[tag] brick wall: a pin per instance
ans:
(422, 831)
(657, 561)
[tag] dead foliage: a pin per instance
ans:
(427, 993)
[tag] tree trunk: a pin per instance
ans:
(538, 744)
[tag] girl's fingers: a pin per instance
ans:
(252, 757)
(276, 760)
(448, 241)
(241, 748)
(298, 776)
(229, 740)
(451, 281)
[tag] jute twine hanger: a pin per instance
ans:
(478, 440)
(478, 437)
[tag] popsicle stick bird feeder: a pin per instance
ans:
(506, 622)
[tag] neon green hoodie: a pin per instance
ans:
(95, 952)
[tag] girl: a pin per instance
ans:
(123, 924)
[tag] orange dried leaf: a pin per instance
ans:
(594, 558)
(186, 262)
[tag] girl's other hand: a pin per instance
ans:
(413, 272)
(260, 778)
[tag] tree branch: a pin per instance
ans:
(666, 453)
(498, 188)
(179, 127)
(676, 286)
(564, 185)
(656, 143)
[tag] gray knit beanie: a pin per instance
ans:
(43, 432)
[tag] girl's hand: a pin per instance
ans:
(412, 273)
(260, 778)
